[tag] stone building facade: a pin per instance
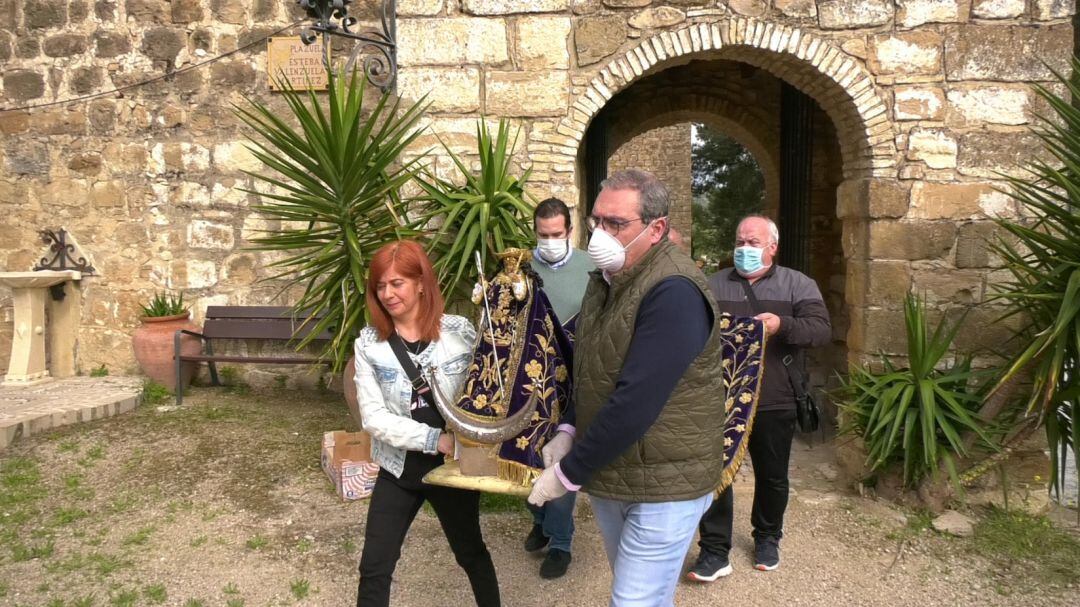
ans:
(921, 103)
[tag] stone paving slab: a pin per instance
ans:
(33, 409)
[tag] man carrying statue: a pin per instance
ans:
(646, 436)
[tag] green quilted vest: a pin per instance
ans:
(680, 457)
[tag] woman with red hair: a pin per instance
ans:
(407, 432)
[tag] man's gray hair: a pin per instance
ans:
(774, 232)
(652, 193)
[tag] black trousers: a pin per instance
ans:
(770, 451)
(394, 504)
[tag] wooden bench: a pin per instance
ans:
(263, 323)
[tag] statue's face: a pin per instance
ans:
(399, 295)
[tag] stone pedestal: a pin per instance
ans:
(63, 330)
(30, 292)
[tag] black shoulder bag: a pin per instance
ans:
(807, 412)
(418, 382)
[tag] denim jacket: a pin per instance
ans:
(383, 389)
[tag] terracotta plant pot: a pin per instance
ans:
(153, 345)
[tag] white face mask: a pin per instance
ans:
(607, 252)
(553, 250)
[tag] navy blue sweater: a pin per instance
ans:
(671, 329)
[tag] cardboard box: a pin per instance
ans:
(346, 459)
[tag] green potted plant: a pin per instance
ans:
(153, 341)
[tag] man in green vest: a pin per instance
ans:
(565, 272)
(645, 434)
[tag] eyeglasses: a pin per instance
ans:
(610, 225)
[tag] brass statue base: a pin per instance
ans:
(449, 475)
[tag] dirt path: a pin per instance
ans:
(223, 503)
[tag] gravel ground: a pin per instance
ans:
(224, 500)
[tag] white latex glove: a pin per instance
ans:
(556, 448)
(546, 488)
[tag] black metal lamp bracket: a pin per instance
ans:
(331, 18)
(62, 255)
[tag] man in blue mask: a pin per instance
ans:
(790, 305)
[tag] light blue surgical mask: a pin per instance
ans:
(748, 259)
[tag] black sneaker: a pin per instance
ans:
(709, 567)
(555, 564)
(536, 539)
(766, 554)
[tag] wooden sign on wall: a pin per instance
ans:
(300, 64)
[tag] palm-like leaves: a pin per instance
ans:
(917, 414)
(334, 191)
(487, 214)
(1044, 260)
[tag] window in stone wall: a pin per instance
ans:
(727, 185)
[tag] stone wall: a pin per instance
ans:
(924, 101)
(927, 99)
(665, 152)
(150, 181)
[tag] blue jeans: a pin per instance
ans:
(646, 544)
(556, 518)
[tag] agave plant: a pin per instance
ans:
(487, 214)
(916, 414)
(1043, 255)
(164, 304)
(335, 191)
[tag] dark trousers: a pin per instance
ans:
(394, 504)
(770, 450)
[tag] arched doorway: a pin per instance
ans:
(852, 136)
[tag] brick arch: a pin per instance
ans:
(816, 66)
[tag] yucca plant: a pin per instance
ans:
(916, 415)
(487, 214)
(1042, 253)
(334, 188)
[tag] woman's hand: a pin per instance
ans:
(446, 443)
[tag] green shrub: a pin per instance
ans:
(1042, 253)
(256, 542)
(154, 393)
(916, 415)
(300, 588)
